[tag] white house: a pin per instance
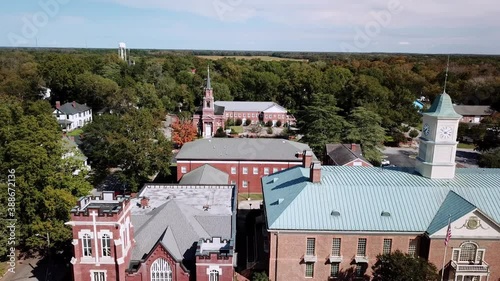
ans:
(72, 115)
(71, 150)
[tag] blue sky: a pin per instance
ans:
(409, 26)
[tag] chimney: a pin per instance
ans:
(144, 202)
(74, 104)
(315, 172)
(307, 158)
(354, 147)
(58, 104)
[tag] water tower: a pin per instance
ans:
(122, 51)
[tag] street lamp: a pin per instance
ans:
(47, 236)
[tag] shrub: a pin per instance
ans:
(248, 122)
(413, 133)
(278, 124)
(229, 122)
(220, 133)
(238, 122)
(269, 123)
(270, 130)
(233, 132)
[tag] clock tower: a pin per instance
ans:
(438, 143)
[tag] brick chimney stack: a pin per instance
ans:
(354, 147)
(74, 104)
(144, 202)
(315, 172)
(58, 104)
(307, 158)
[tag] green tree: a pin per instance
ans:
(490, 159)
(398, 266)
(413, 133)
(320, 123)
(260, 276)
(364, 127)
(132, 142)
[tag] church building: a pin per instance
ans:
(331, 222)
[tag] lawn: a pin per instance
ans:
(466, 145)
(253, 196)
(263, 58)
(76, 132)
(237, 129)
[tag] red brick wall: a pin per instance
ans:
(233, 115)
(144, 272)
(225, 265)
(254, 181)
(292, 247)
(491, 255)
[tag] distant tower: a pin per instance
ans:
(122, 51)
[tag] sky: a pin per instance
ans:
(403, 26)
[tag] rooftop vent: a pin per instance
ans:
(275, 180)
(280, 200)
(335, 213)
(385, 214)
(206, 207)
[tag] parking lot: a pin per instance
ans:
(406, 157)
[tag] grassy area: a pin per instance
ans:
(76, 132)
(263, 58)
(3, 268)
(237, 129)
(253, 196)
(466, 145)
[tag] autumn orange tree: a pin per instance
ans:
(183, 131)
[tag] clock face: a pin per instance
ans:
(445, 132)
(426, 129)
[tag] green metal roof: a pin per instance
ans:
(453, 208)
(354, 198)
(443, 107)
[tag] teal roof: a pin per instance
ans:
(443, 107)
(453, 208)
(361, 194)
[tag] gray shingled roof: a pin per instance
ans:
(341, 154)
(473, 110)
(248, 105)
(68, 108)
(247, 149)
(175, 217)
(205, 174)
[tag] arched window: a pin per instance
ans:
(106, 245)
(87, 245)
(468, 252)
(161, 271)
(214, 275)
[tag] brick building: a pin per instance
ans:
(169, 232)
(212, 115)
(245, 160)
(328, 222)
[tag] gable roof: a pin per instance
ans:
(259, 106)
(176, 217)
(68, 108)
(342, 154)
(474, 110)
(443, 107)
(248, 149)
(453, 208)
(361, 194)
(205, 174)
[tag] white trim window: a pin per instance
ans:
(97, 275)
(275, 170)
(86, 245)
(233, 170)
(160, 270)
(469, 252)
(255, 170)
(266, 171)
(245, 184)
(106, 245)
(214, 275)
(245, 170)
(361, 251)
(336, 242)
(412, 247)
(311, 246)
(183, 170)
(387, 247)
(309, 270)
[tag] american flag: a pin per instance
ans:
(448, 234)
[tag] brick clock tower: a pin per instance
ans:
(208, 117)
(102, 237)
(438, 143)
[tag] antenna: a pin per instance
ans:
(446, 76)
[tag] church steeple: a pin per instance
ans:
(209, 86)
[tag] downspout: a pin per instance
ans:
(276, 261)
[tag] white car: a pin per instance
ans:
(385, 162)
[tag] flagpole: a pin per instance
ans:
(445, 247)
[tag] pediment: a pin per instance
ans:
(473, 225)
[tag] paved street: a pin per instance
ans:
(34, 269)
(405, 157)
